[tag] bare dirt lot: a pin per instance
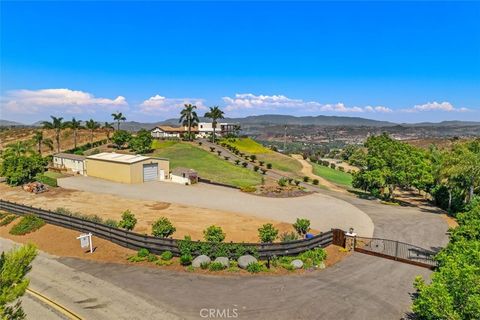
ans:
(187, 219)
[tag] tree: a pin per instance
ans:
(14, 266)
(92, 125)
(215, 113)
(118, 116)
(21, 169)
(213, 234)
(74, 125)
(189, 118)
(40, 141)
(267, 233)
(108, 127)
(120, 138)
(19, 148)
(142, 142)
(302, 226)
(58, 125)
(128, 221)
(163, 228)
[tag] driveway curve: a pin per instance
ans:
(324, 211)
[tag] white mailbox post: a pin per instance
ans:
(86, 241)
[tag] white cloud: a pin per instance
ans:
(159, 105)
(435, 106)
(248, 101)
(58, 100)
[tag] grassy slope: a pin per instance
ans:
(278, 160)
(208, 165)
(332, 175)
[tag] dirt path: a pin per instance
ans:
(307, 170)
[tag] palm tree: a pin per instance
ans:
(74, 125)
(19, 148)
(58, 125)
(189, 118)
(215, 113)
(118, 117)
(92, 125)
(39, 140)
(108, 126)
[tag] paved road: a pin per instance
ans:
(360, 287)
(324, 211)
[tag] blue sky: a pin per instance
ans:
(397, 61)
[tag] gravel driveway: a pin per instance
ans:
(324, 211)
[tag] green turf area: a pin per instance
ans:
(332, 175)
(279, 161)
(53, 175)
(161, 144)
(208, 165)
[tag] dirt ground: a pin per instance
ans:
(188, 220)
(62, 242)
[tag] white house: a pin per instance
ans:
(206, 128)
(70, 162)
(166, 132)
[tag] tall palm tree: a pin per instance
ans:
(92, 125)
(39, 140)
(108, 126)
(74, 125)
(215, 113)
(58, 125)
(189, 118)
(118, 117)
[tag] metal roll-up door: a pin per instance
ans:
(150, 172)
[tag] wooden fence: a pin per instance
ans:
(156, 245)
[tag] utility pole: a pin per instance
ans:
(285, 139)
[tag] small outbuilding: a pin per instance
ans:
(69, 162)
(184, 176)
(127, 168)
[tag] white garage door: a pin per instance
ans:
(150, 172)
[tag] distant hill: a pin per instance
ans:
(8, 123)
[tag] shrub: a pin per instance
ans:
(253, 158)
(237, 162)
(302, 226)
(267, 233)
(264, 171)
(213, 234)
(212, 149)
(3, 215)
(216, 266)
(248, 189)
(315, 182)
(219, 152)
(92, 218)
(254, 267)
(297, 182)
(290, 180)
(27, 224)
(256, 168)
(282, 182)
(244, 164)
(111, 223)
(52, 182)
(204, 265)
(261, 163)
(152, 258)
(269, 166)
(332, 165)
(186, 259)
(166, 255)
(163, 228)
(200, 143)
(288, 236)
(313, 257)
(6, 221)
(341, 168)
(143, 253)
(226, 158)
(128, 221)
(306, 179)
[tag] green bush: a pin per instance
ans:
(282, 182)
(288, 236)
(213, 234)
(128, 221)
(237, 162)
(306, 179)
(302, 226)
(52, 182)
(7, 220)
(267, 233)
(3, 215)
(269, 166)
(143, 253)
(111, 223)
(204, 265)
(315, 182)
(261, 163)
(163, 228)
(166, 255)
(297, 182)
(256, 168)
(152, 258)
(313, 257)
(216, 266)
(186, 259)
(264, 171)
(27, 224)
(253, 158)
(254, 267)
(244, 164)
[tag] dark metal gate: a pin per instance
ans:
(396, 250)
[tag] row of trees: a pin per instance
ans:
(451, 176)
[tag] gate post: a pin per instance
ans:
(396, 250)
(351, 239)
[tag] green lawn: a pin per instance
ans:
(160, 144)
(332, 175)
(53, 175)
(208, 165)
(279, 161)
